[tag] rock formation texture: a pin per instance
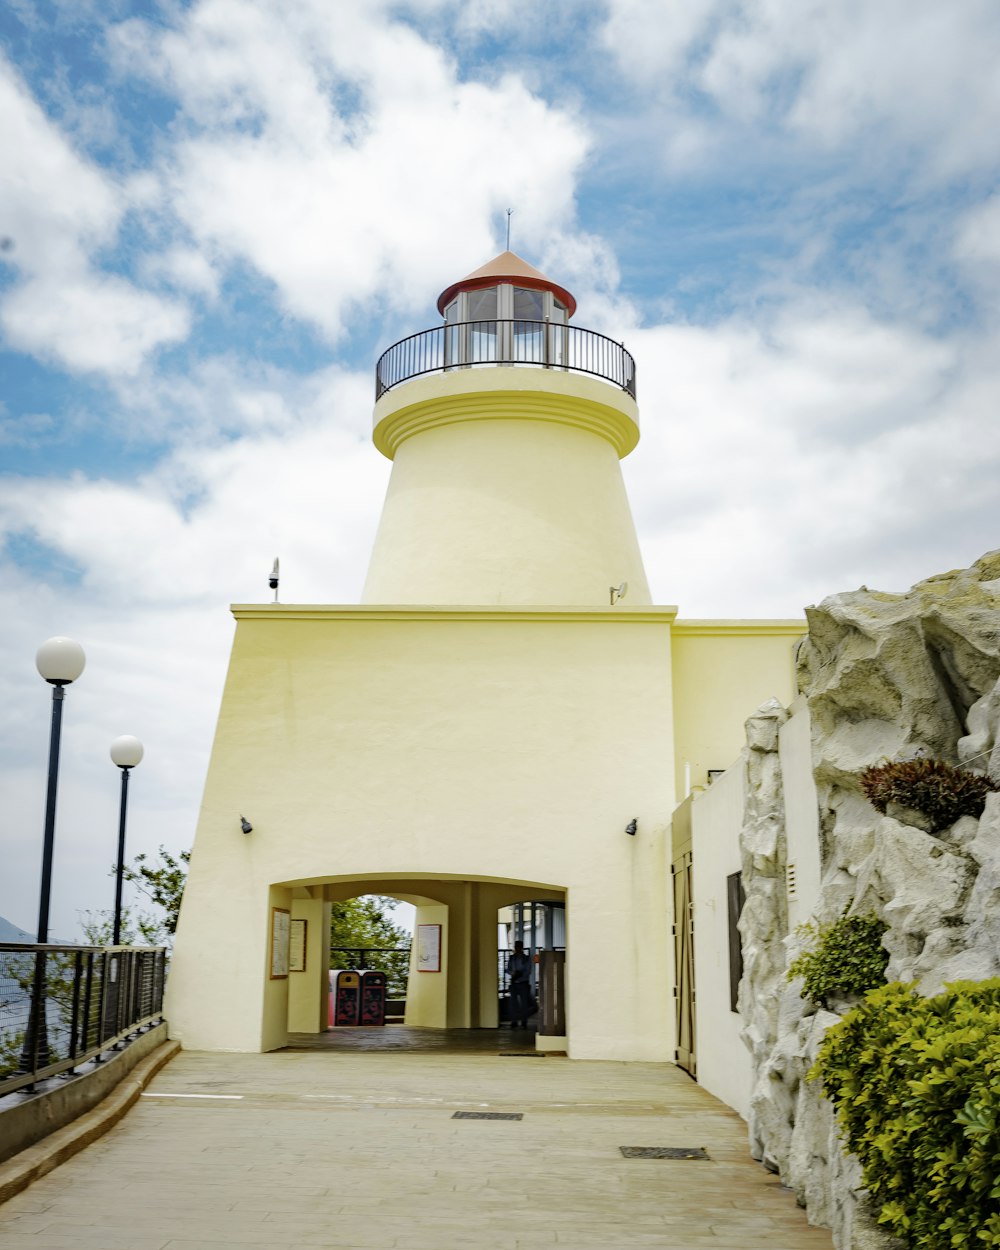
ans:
(885, 677)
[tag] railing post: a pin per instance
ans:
(102, 1009)
(74, 1024)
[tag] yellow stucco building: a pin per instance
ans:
(483, 727)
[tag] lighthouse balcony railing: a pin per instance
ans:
(477, 344)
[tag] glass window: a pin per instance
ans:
(528, 305)
(529, 334)
(482, 305)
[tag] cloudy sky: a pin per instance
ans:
(214, 215)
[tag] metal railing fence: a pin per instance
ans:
(468, 344)
(394, 961)
(63, 1005)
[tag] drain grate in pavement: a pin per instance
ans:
(488, 1115)
(664, 1152)
(521, 1054)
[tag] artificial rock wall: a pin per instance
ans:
(884, 677)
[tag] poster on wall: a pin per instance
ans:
(428, 948)
(280, 918)
(297, 945)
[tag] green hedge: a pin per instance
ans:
(916, 1086)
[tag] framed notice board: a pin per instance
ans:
(280, 918)
(428, 948)
(297, 945)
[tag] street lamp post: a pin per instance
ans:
(60, 661)
(126, 752)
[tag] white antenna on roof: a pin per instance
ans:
(509, 211)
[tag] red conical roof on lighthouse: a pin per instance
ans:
(507, 267)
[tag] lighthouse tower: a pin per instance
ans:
(505, 426)
(503, 719)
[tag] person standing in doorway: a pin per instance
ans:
(519, 969)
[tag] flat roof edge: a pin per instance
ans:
(419, 612)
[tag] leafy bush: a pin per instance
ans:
(939, 790)
(847, 958)
(916, 1086)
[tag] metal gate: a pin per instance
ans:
(684, 991)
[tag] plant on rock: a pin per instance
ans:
(916, 1086)
(847, 958)
(939, 790)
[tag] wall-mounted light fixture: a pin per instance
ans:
(618, 592)
(245, 825)
(631, 827)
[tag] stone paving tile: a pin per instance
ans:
(334, 1151)
(103, 1240)
(222, 1245)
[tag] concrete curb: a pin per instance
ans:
(31, 1164)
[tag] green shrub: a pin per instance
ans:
(939, 790)
(847, 958)
(916, 1086)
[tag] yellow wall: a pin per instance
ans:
(307, 990)
(722, 672)
(505, 488)
(490, 745)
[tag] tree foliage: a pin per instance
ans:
(364, 923)
(162, 881)
(139, 928)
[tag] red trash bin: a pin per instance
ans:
(372, 997)
(345, 997)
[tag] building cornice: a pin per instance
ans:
(711, 628)
(636, 615)
(506, 393)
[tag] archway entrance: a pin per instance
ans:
(457, 958)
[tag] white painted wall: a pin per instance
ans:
(801, 814)
(724, 1067)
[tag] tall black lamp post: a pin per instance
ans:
(60, 661)
(126, 752)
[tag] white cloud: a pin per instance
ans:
(303, 483)
(186, 268)
(89, 321)
(913, 75)
(814, 449)
(977, 248)
(342, 156)
(58, 209)
(53, 201)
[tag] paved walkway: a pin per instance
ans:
(359, 1151)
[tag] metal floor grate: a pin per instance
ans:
(488, 1115)
(664, 1152)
